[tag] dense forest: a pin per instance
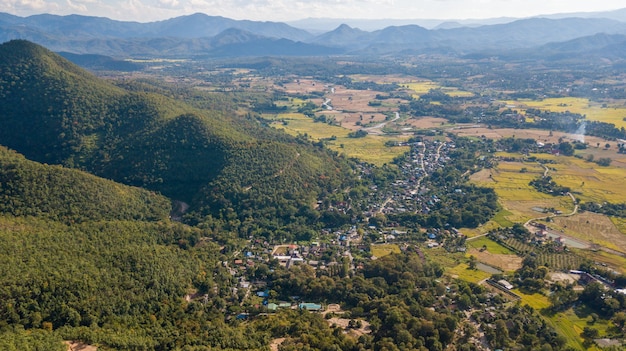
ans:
(221, 165)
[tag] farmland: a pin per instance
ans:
(382, 250)
(593, 110)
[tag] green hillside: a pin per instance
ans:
(28, 188)
(57, 113)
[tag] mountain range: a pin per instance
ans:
(200, 35)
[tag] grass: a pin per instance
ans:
(463, 272)
(536, 300)
(492, 246)
(620, 223)
(382, 250)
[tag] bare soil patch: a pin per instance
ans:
(504, 262)
(564, 277)
(426, 122)
(276, 343)
(483, 176)
(349, 120)
(304, 86)
(79, 346)
(344, 322)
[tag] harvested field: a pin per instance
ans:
(426, 122)
(505, 262)
(349, 120)
(537, 134)
(592, 227)
(594, 111)
(304, 86)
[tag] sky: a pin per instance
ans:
(290, 10)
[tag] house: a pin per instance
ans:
(313, 307)
(505, 284)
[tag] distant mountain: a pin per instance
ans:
(235, 42)
(344, 36)
(202, 26)
(188, 27)
(618, 15)
(209, 36)
(53, 112)
(598, 47)
(322, 25)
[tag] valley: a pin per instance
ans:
(338, 201)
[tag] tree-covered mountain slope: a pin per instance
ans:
(28, 188)
(54, 112)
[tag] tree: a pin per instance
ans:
(472, 262)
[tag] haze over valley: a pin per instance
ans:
(208, 183)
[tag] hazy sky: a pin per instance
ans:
(286, 10)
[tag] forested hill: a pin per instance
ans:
(28, 188)
(54, 112)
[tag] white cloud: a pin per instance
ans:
(285, 10)
(169, 3)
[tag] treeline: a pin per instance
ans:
(607, 208)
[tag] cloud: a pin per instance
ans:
(28, 4)
(169, 3)
(76, 6)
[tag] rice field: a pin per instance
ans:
(593, 110)
(423, 87)
(370, 149)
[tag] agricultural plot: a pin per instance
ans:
(614, 261)
(489, 245)
(559, 261)
(505, 262)
(590, 182)
(519, 199)
(426, 122)
(592, 227)
(537, 134)
(370, 149)
(382, 250)
(593, 110)
(571, 323)
(463, 272)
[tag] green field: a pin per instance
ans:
(501, 218)
(463, 272)
(370, 149)
(382, 250)
(492, 246)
